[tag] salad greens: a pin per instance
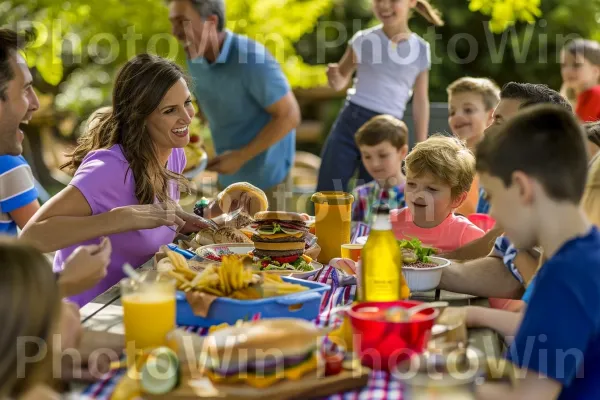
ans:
(422, 253)
(299, 265)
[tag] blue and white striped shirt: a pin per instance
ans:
(17, 190)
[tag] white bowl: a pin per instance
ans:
(424, 279)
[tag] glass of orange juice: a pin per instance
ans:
(148, 310)
(351, 251)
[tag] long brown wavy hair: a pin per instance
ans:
(140, 86)
(29, 309)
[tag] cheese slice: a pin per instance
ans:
(294, 373)
(307, 258)
(281, 235)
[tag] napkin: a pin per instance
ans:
(200, 302)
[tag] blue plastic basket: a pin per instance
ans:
(304, 305)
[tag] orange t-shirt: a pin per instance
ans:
(469, 206)
(454, 232)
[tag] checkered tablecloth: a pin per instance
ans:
(381, 386)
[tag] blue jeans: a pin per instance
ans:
(340, 156)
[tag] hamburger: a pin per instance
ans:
(280, 241)
(262, 353)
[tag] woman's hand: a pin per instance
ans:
(150, 216)
(84, 268)
(194, 223)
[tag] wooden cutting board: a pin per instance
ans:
(310, 386)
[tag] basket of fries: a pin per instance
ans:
(232, 291)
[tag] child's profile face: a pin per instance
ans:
(429, 200)
(383, 161)
(467, 115)
(510, 207)
(578, 72)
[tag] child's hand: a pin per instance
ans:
(335, 78)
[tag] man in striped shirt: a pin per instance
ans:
(18, 102)
(18, 195)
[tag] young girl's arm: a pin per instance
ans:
(420, 105)
(339, 74)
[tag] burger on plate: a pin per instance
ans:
(261, 353)
(280, 241)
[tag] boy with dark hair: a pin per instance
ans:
(534, 170)
(383, 145)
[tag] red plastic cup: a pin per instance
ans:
(483, 221)
(382, 344)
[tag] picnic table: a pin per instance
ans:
(105, 314)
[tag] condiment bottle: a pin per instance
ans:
(333, 219)
(381, 262)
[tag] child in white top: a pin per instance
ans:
(392, 63)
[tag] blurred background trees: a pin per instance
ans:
(82, 43)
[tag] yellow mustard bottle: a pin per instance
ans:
(381, 262)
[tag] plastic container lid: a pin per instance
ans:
(332, 198)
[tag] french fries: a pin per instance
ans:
(233, 278)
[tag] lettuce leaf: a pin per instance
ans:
(422, 252)
(270, 229)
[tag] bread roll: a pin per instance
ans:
(231, 196)
(205, 237)
(230, 235)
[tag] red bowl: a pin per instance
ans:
(382, 344)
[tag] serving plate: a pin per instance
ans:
(200, 167)
(208, 253)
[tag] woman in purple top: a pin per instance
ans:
(127, 175)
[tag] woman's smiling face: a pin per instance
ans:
(168, 125)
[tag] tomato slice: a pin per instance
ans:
(283, 260)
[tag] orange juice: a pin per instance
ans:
(333, 214)
(148, 318)
(148, 311)
(352, 251)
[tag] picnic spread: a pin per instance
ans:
(267, 295)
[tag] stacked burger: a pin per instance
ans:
(279, 241)
(264, 352)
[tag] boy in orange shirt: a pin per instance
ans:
(471, 103)
(439, 173)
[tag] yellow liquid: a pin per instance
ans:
(148, 318)
(381, 268)
(332, 227)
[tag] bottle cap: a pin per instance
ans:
(203, 202)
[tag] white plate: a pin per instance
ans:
(191, 174)
(243, 248)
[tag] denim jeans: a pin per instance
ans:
(340, 156)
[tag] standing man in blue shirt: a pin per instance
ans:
(242, 92)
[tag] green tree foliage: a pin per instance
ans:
(81, 43)
(466, 46)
